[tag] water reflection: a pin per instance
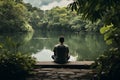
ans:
(12, 42)
(82, 46)
(45, 55)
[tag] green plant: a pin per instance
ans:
(108, 65)
(15, 65)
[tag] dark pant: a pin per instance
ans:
(59, 60)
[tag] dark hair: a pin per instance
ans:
(61, 39)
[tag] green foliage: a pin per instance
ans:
(58, 19)
(13, 16)
(94, 10)
(111, 35)
(106, 31)
(107, 11)
(15, 65)
(108, 65)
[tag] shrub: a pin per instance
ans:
(108, 65)
(15, 65)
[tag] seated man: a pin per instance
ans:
(61, 52)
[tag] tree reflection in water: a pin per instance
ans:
(83, 46)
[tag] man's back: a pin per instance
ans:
(61, 53)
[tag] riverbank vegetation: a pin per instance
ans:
(108, 65)
(17, 16)
(60, 19)
(13, 16)
(14, 64)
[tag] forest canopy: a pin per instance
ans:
(19, 16)
(13, 16)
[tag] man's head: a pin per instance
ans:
(61, 39)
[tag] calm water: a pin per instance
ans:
(83, 46)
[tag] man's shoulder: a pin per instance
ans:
(59, 45)
(65, 45)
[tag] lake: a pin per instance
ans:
(40, 44)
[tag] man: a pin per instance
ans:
(61, 52)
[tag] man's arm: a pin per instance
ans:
(54, 50)
(67, 51)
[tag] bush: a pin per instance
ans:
(108, 65)
(15, 65)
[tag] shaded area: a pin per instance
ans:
(62, 74)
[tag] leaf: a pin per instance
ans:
(109, 41)
(105, 29)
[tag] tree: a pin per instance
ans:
(108, 12)
(13, 17)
